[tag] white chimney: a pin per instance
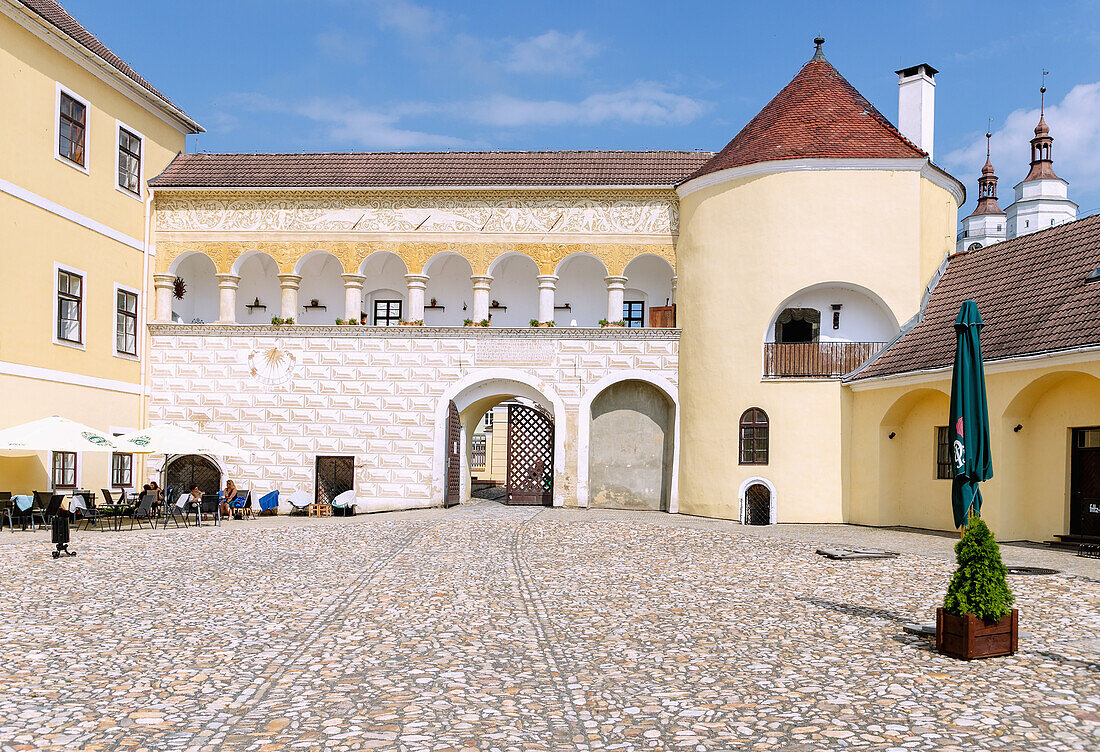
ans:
(917, 104)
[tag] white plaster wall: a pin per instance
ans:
(581, 285)
(515, 286)
(321, 280)
(375, 395)
(259, 279)
(649, 279)
(449, 283)
(201, 299)
(861, 318)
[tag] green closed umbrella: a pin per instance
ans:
(970, 453)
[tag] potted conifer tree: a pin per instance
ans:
(977, 619)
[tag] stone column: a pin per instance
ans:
(353, 296)
(673, 301)
(164, 285)
(482, 283)
(548, 283)
(616, 287)
(227, 298)
(289, 284)
(417, 284)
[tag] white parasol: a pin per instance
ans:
(55, 434)
(168, 438)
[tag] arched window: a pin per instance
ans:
(753, 444)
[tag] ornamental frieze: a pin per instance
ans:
(651, 212)
(415, 255)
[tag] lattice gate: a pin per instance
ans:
(530, 474)
(334, 476)
(758, 505)
(190, 469)
(453, 492)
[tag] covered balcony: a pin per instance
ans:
(826, 331)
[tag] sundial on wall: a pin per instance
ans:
(271, 365)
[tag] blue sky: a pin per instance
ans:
(340, 75)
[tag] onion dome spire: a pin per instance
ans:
(987, 183)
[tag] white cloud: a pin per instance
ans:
(408, 18)
(552, 53)
(643, 103)
(1075, 125)
(342, 46)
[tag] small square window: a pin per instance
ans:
(387, 312)
(72, 127)
(633, 313)
(64, 470)
(129, 161)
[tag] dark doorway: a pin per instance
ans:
(453, 491)
(530, 465)
(798, 325)
(334, 476)
(758, 505)
(1084, 483)
(190, 469)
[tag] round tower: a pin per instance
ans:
(804, 245)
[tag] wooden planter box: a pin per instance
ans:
(968, 637)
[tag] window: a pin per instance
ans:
(387, 312)
(798, 325)
(64, 470)
(71, 127)
(70, 297)
(129, 161)
(122, 470)
(126, 322)
(944, 469)
(754, 437)
(633, 312)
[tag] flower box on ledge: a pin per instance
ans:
(968, 637)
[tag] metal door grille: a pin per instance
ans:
(758, 505)
(190, 469)
(334, 476)
(530, 473)
(454, 458)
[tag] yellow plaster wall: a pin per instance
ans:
(893, 481)
(101, 409)
(744, 247)
(29, 71)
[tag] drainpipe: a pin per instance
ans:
(143, 360)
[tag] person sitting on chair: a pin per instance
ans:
(158, 494)
(194, 498)
(229, 495)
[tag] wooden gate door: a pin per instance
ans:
(1084, 483)
(530, 473)
(334, 476)
(453, 490)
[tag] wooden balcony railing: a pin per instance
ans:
(816, 359)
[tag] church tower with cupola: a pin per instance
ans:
(1042, 198)
(986, 224)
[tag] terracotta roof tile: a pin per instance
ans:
(1031, 292)
(818, 114)
(53, 14)
(430, 169)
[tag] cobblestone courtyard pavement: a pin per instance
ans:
(492, 628)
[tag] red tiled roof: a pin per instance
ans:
(53, 14)
(818, 114)
(430, 169)
(1031, 292)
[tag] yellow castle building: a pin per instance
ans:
(761, 333)
(82, 133)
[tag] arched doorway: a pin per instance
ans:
(631, 447)
(758, 502)
(536, 448)
(188, 469)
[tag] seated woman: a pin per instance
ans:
(228, 497)
(158, 494)
(194, 497)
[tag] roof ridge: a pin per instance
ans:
(433, 152)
